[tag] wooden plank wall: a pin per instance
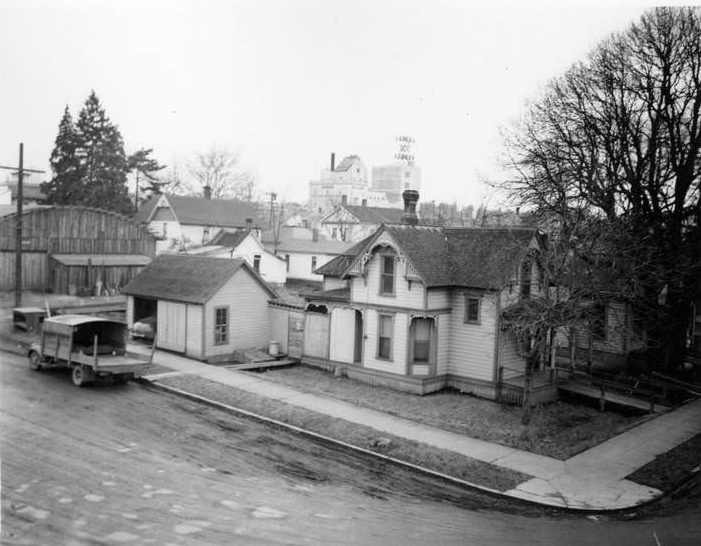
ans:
(34, 270)
(68, 230)
(77, 230)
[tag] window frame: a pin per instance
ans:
(428, 342)
(526, 278)
(257, 258)
(599, 323)
(221, 335)
(473, 298)
(380, 337)
(313, 264)
(384, 276)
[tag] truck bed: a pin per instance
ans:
(112, 363)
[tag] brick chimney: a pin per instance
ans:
(365, 202)
(344, 200)
(249, 225)
(409, 217)
(208, 192)
(333, 161)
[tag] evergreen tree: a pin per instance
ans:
(146, 168)
(65, 186)
(104, 163)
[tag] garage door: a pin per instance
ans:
(171, 326)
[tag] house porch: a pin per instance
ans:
(544, 387)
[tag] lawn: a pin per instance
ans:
(558, 430)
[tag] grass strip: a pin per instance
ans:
(420, 454)
(670, 469)
(559, 429)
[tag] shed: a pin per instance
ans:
(52, 234)
(206, 308)
(74, 273)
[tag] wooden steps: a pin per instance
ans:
(262, 365)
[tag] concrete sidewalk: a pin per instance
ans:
(592, 480)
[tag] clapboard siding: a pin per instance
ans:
(367, 289)
(443, 325)
(472, 345)
(513, 363)
(194, 345)
(438, 299)
(248, 315)
(397, 364)
(333, 283)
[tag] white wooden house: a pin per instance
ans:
(418, 308)
(206, 308)
(303, 251)
(244, 245)
(353, 223)
(181, 222)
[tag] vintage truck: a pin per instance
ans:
(92, 347)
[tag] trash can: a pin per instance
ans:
(274, 348)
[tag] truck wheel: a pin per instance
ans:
(80, 376)
(34, 361)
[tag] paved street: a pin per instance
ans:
(124, 464)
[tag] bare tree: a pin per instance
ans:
(219, 170)
(618, 139)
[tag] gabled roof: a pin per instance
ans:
(187, 279)
(483, 258)
(346, 164)
(487, 257)
(338, 265)
(230, 239)
(199, 211)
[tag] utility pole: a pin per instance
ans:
(136, 192)
(18, 228)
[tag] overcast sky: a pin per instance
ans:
(285, 83)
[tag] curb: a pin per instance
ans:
(500, 495)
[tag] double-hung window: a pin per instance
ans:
(387, 270)
(422, 339)
(384, 337)
(472, 309)
(256, 262)
(221, 325)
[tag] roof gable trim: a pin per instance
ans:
(357, 266)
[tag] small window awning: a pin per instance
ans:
(108, 260)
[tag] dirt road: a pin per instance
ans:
(128, 465)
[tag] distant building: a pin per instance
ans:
(180, 222)
(31, 191)
(392, 180)
(243, 245)
(303, 251)
(345, 183)
(352, 223)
